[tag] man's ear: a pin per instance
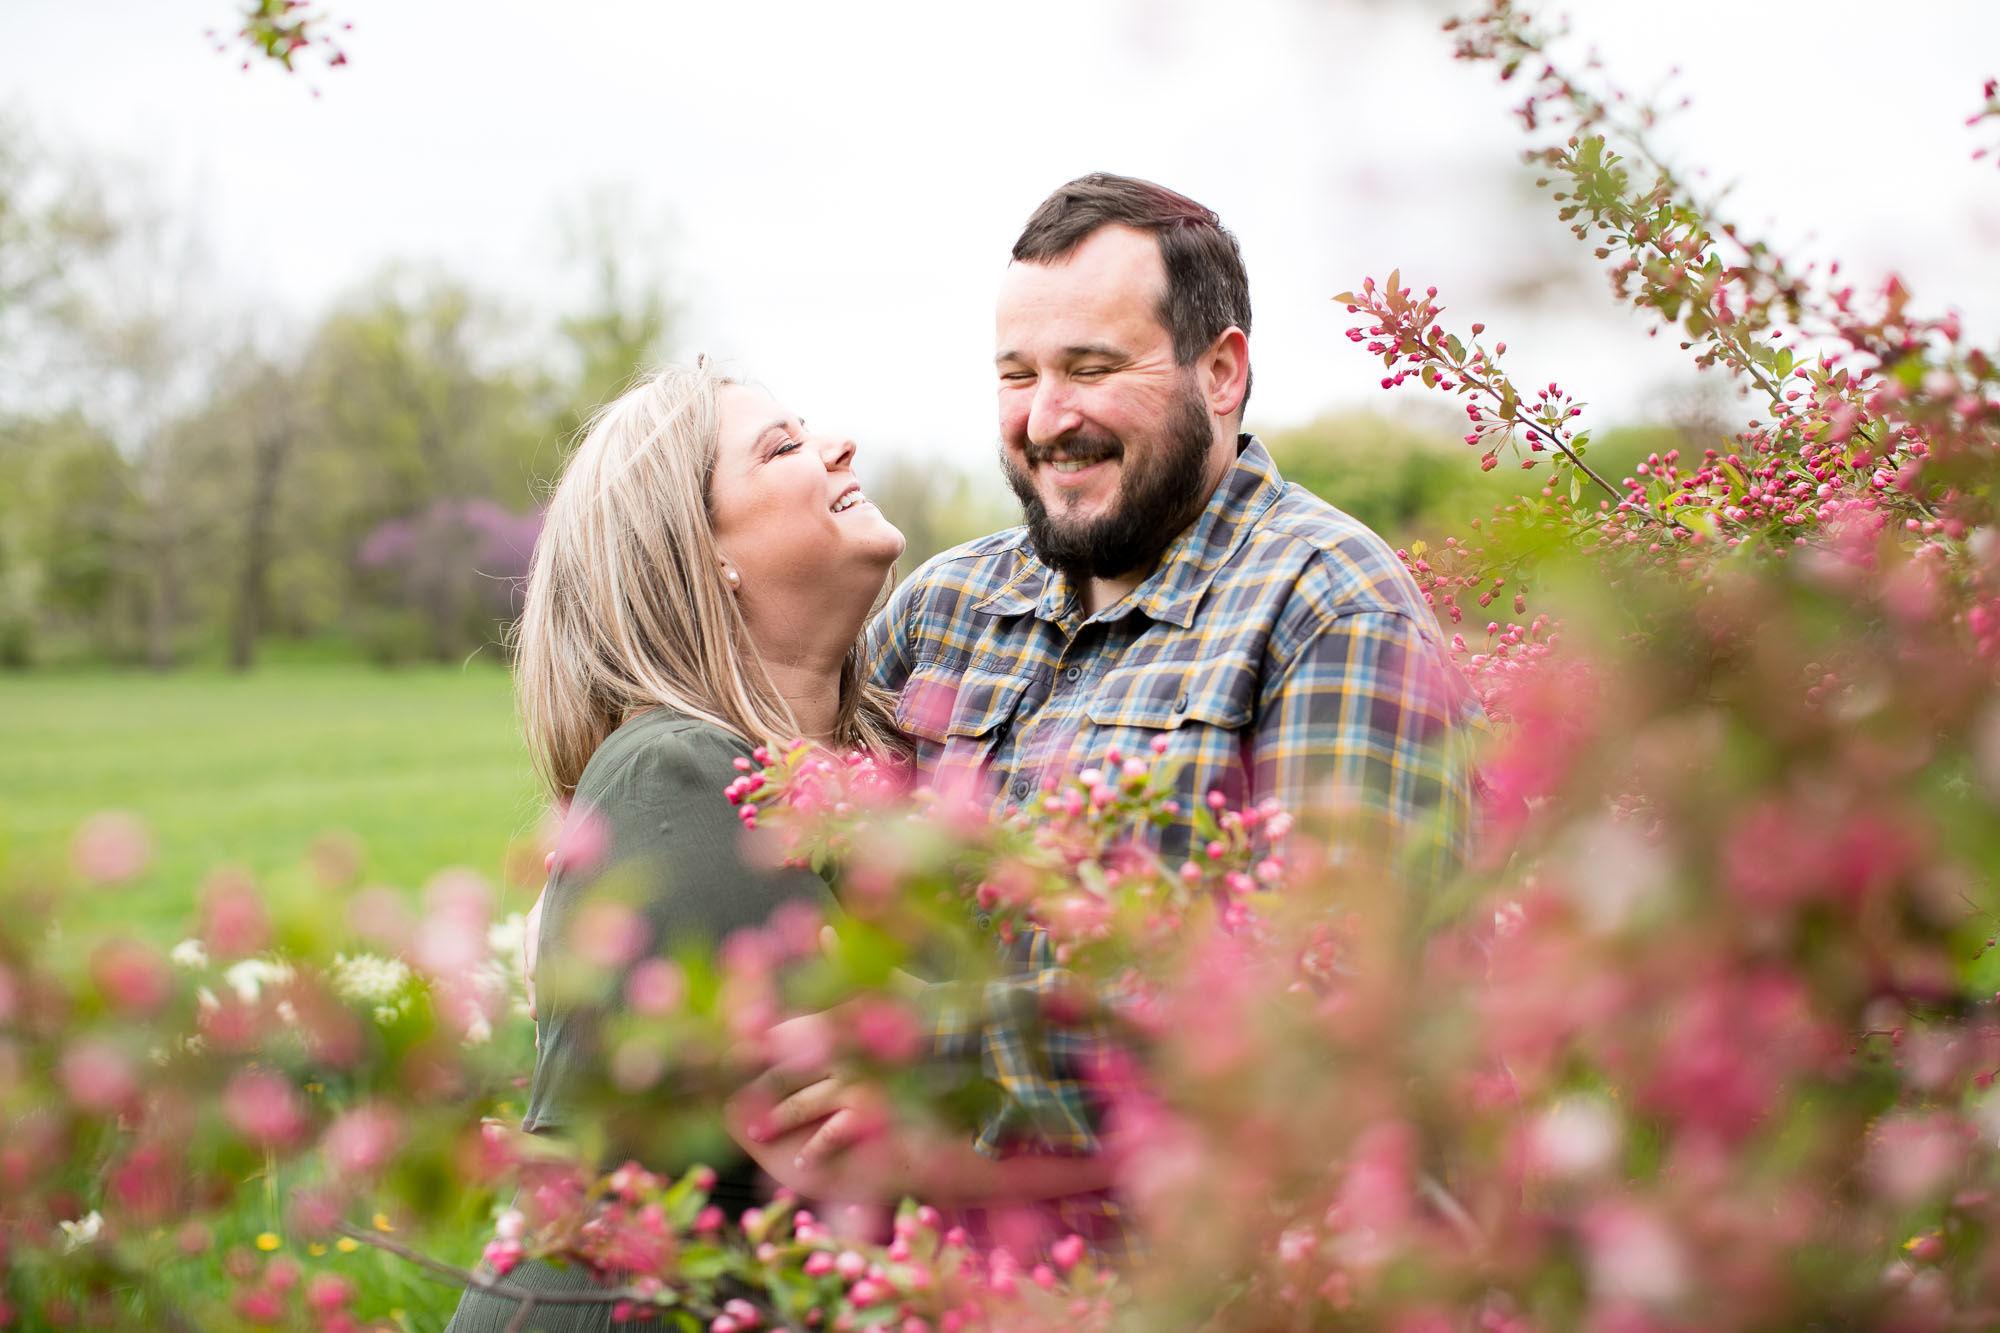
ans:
(1227, 363)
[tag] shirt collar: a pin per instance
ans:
(1173, 590)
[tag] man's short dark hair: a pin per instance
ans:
(1207, 287)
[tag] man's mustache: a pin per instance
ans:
(1078, 448)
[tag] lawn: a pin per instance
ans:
(424, 766)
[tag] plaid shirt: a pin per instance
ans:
(1281, 648)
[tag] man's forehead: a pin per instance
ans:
(1114, 276)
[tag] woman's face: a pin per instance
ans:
(790, 517)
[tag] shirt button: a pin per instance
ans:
(1180, 704)
(1074, 673)
(1021, 789)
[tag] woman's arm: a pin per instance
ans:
(900, 1161)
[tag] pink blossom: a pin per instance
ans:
(97, 1077)
(264, 1108)
(887, 1031)
(259, 1305)
(582, 841)
(362, 1140)
(233, 921)
(606, 933)
(328, 1292)
(1634, 1256)
(450, 939)
(1914, 1156)
(655, 987)
(111, 848)
(134, 977)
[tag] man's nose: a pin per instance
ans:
(1053, 414)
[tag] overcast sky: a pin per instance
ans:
(836, 185)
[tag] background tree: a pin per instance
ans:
(628, 317)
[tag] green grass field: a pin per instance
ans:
(425, 766)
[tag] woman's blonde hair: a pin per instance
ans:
(626, 605)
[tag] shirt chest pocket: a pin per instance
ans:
(1166, 696)
(940, 705)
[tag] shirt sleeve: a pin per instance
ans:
(1368, 719)
(885, 643)
(1042, 1040)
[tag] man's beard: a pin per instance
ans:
(1157, 497)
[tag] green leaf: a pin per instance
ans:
(1454, 346)
(1507, 400)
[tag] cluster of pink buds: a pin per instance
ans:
(1990, 111)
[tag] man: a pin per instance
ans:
(1167, 581)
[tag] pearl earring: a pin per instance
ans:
(731, 575)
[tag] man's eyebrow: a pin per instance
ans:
(1074, 352)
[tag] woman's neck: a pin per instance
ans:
(813, 693)
(803, 655)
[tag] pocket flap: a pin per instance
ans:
(937, 703)
(1161, 696)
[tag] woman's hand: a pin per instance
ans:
(531, 943)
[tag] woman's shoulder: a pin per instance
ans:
(662, 740)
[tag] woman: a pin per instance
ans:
(698, 589)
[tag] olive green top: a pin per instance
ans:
(657, 787)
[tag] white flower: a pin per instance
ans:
(84, 1231)
(249, 977)
(191, 954)
(371, 979)
(1578, 1136)
(503, 938)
